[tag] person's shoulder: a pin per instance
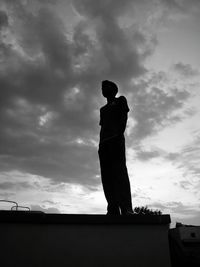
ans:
(103, 107)
(122, 99)
(122, 102)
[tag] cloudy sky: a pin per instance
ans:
(53, 56)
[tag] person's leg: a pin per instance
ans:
(121, 176)
(107, 179)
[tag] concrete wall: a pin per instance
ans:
(185, 246)
(84, 242)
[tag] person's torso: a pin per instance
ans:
(110, 116)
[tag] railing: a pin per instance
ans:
(16, 206)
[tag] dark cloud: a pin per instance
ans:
(38, 80)
(49, 86)
(102, 8)
(175, 207)
(71, 162)
(183, 6)
(179, 212)
(172, 156)
(155, 108)
(6, 195)
(49, 202)
(17, 186)
(155, 152)
(189, 160)
(121, 59)
(185, 70)
(44, 209)
(3, 19)
(186, 185)
(145, 155)
(32, 89)
(182, 209)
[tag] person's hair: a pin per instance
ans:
(109, 88)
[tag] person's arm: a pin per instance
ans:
(123, 122)
(124, 109)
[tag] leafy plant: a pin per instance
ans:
(144, 210)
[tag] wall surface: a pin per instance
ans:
(185, 246)
(52, 240)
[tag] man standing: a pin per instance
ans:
(114, 175)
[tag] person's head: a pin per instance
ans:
(109, 89)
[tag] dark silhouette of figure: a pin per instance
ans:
(114, 175)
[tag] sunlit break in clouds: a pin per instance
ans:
(53, 57)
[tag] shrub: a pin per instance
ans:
(146, 211)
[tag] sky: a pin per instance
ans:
(53, 57)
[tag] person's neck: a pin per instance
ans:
(110, 100)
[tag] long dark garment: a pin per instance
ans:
(114, 175)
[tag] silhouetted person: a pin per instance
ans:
(114, 175)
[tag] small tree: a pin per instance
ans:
(146, 211)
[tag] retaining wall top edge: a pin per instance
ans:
(46, 218)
